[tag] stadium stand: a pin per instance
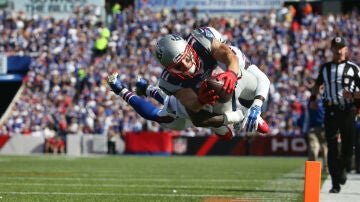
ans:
(65, 86)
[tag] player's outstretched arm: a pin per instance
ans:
(222, 53)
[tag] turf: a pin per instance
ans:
(151, 178)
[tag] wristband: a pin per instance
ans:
(233, 117)
(257, 102)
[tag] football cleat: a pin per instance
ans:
(115, 83)
(227, 136)
(224, 132)
(343, 177)
(141, 86)
(335, 190)
(263, 127)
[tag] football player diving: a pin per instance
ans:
(188, 103)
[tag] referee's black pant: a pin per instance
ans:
(357, 150)
(339, 120)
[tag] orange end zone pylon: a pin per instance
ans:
(312, 181)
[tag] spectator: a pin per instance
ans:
(101, 42)
(312, 122)
(113, 135)
(55, 145)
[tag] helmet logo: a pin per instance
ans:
(176, 37)
(159, 53)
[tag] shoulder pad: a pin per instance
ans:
(204, 36)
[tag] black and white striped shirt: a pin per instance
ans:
(338, 77)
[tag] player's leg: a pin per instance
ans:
(324, 149)
(144, 108)
(313, 146)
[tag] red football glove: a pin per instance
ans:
(230, 80)
(206, 96)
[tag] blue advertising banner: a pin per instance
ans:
(18, 64)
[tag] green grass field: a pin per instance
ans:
(151, 178)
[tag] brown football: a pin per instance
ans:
(217, 86)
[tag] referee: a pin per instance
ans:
(340, 79)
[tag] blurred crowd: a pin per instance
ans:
(65, 88)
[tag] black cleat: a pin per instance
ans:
(334, 190)
(343, 178)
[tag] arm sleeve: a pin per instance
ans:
(263, 81)
(357, 77)
(320, 79)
